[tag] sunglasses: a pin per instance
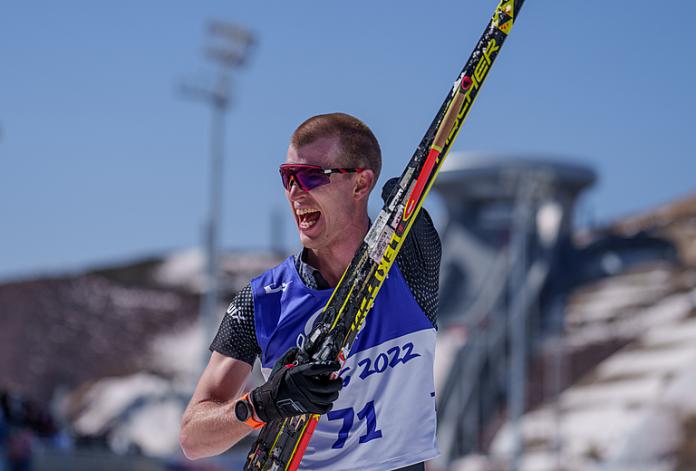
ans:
(309, 177)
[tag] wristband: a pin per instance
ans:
(244, 411)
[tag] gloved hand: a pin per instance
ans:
(389, 187)
(296, 390)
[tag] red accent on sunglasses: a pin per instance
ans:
(309, 177)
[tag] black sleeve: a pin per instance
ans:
(236, 337)
(419, 259)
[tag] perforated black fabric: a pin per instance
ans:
(419, 259)
(419, 262)
(236, 336)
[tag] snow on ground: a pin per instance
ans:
(134, 298)
(665, 335)
(143, 411)
(140, 411)
(182, 269)
(648, 362)
(180, 354)
(626, 320)
(605, 299)
(110, 397)
(615, 308)
(632, 391)
(154, 429)
(186, 268)
(627, 413)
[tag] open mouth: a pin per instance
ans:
(307, 217)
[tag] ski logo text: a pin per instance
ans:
(476, 79)
(376, 282)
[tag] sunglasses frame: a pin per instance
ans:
(312, 168)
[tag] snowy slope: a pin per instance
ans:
(627, 414)
(116, 350)
(635, 409)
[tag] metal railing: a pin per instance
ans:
(488, 371)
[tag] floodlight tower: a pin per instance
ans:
(229, 49)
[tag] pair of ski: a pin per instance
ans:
(281, 444)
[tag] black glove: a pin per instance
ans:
(296, 390)
(389, 187)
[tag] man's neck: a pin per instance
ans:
(333, 260)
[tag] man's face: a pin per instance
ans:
(327, 212)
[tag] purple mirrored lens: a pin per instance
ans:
(309, 179)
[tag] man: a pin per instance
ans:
(384, 417)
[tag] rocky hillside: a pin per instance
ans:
(115, 350)
(626, 367)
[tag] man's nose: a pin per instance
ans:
(294, 188)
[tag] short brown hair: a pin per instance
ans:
(358, 146)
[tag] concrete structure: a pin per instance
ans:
(509, 219)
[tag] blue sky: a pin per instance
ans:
(101, 159)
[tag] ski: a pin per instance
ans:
(281, 444)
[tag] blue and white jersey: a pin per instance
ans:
(384, 417)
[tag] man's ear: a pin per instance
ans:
(364, 182)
